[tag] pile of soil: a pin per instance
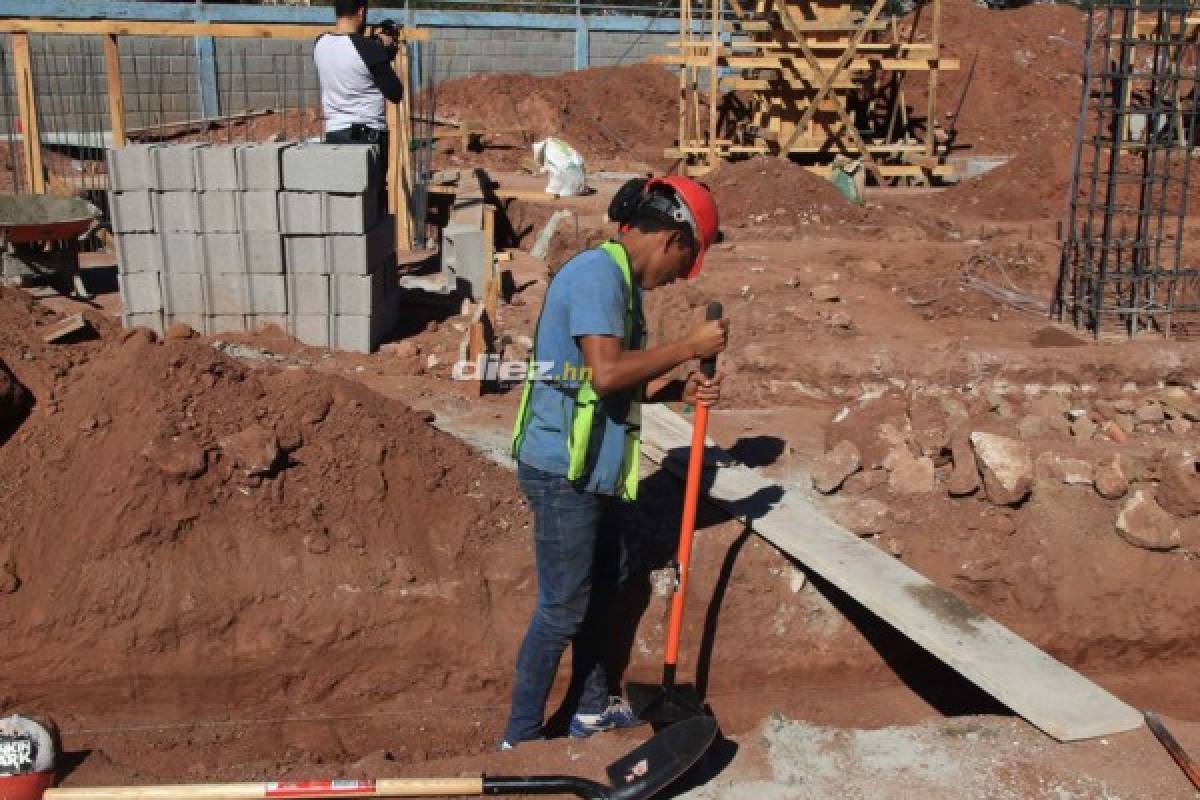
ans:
(628, 114)
(177, 522)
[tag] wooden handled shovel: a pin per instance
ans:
(641, 774)
(671, 702)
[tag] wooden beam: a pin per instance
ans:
(116, 93)
(31, 139)
(860, 62)
(223, 30)
(1047, 693)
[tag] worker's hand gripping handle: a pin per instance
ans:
(708, 366)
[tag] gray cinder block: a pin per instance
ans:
(183, 293)
(223, 252)
(243, 293)
(225, 323)
(311, 329)
(330, 167)
(259, 211)
(193, 321)
(216, 168)
(130, 168)
(177, 211)
(139, 252)
(351, 213)
(308, 294)
(132, 212)
(357, 333)
(463, 257)
(358, 255)
(140, 292)
(262, 252)
(175, 167)
(183, 252)
(219, 212)
(260, 166)
(307, 254)
(301, 213)
(358, 294)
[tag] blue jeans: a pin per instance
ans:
(578, 567)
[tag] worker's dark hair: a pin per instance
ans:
(634, 206)
(348, 8)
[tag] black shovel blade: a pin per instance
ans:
(664, 705)
(662, 759)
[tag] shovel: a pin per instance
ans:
(641, 774)
(671, 702)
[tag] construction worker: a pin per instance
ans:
(356, 74)
(577, 437)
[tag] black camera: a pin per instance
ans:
(391, 30)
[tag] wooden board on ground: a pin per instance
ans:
(1047, 693)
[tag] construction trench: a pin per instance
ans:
(234, 549)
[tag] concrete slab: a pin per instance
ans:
(141, 292)
(219, 212)
(259, 211)
(311, 329)
(309, 294)
(223, 253)
(177, 211)
(306, 254)
(359, 254)
(183, 252)
(216, 168)
(183, 293)
(358, 294)
(262, 252)
(175, 166)
(130, 168)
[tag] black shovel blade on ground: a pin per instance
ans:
(665, 705)
(640, 774)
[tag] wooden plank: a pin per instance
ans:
(1047, 693)
(222, 30)
(861, 62)
(31, 141)
(116, 94)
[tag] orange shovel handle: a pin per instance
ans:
(691, 499)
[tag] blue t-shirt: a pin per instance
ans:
(586, 298)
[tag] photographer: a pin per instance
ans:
(356, 76)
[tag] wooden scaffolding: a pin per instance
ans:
(814, 80)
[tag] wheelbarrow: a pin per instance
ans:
(40, 236)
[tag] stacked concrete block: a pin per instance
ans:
(239, 237)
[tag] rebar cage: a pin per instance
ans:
(1126, 264)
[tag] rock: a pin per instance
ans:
(1006, 466)
(1179, 485)
(895, 546)
(1115, 432)
(864, 481)
(9, 580)
(178, 459)
(930, 422)
(432, 361)
(832, 468)
(1124, 405)
(825, 293)
(841, 321)
(864, 516)
(1181, 403)
(255, 451)
(401, 349)
(1150, 413)
(964, 480)
(1125, 423)
(1051, 405)
(871, 426)
(1179, 426)
(1110, 479)
(180, 330)
(1083, 428)
(1053, 468)
(1143, 523)
(909, 475)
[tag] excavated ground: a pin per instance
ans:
(225, 560)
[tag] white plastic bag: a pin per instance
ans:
(564, 164)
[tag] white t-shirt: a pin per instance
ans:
(349, 95)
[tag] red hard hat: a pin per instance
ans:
(703, 210)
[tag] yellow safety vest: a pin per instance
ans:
(584, 411)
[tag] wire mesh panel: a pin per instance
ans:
(1125, 263)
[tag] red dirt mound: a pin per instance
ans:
(627, 113)
(765, 185)
(178, 522)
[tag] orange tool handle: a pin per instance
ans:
(691, 499)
